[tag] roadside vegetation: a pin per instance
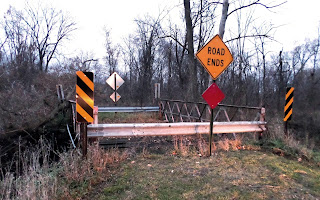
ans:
(176, 167)
(291, 146)
(38, 177)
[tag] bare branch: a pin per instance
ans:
(250, 36)
(257, 2)
(175, 39)
(4, 42)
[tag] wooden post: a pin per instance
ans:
(78, 134)
(84, 138)
(156, 92)
(262, 119)
(60, 93)
(95, 114)
(160, 110)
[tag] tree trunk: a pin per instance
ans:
(222, 24)
(223, 19)
(264, 85)
(192, 85)
(281, 81)
(170, 71)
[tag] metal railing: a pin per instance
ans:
(165, 129)
(128, 109)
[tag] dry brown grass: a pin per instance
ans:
(235, 144)
(290, 141)
(289, 144)
(41, 180)
(227, 144)
(187, 146)
(224, 145)
(275, 128)
(202, 146)
(181, 145)
(36, 180)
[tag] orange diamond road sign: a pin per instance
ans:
(215, 57)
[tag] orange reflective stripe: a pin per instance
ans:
(84, 96)
(288, 115)
(83, 113)
(86, 80)
(289, 93)
(288, 104)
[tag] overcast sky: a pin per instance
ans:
(297, 20)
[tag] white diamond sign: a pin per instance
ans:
(115, 81)
(114, 95)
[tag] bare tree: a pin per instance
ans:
(130, 59)
(147, 42)
(83, 62)
(315, 50)
(261, 40)
(179, 52)
(48, 28)
(112, 53)
(18, 47)
(300, 57)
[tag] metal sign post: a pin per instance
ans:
(115, 89)
(213, 96)
(211, 133)
(215, 57)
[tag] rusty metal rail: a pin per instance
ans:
(186, 111)
(164, 129)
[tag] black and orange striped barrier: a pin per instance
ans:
(84, 97)
(288, 105)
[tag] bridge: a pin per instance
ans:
(180, 118)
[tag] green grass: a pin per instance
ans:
(138, 117)
(111, 116)
(227, 175)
